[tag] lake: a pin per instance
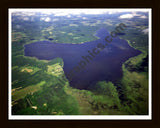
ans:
(107, 65)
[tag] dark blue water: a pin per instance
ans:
(107, 65)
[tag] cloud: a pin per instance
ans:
(126, 16)
(47, 19)
(69, 12)
(84, 18)
(145, 31)
(61, 12)
(55, 19)
(143, 17)
(42, 18)
(131, 15)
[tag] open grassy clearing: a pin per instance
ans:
(21, 93)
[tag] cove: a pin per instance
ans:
(107, 65)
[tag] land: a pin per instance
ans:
(36, 85)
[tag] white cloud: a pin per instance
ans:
(84, 18)
(131, 15)
(116, 11)
(47, 19)
(69, 12)
(143, 17)
(55, 19)
(145, 31)
(135, 14)
(65, 12)
(126, 16)
(42, 18)
(60, 14)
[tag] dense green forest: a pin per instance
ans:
(39, 87)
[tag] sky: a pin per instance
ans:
(70, 11)
(64, 12)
